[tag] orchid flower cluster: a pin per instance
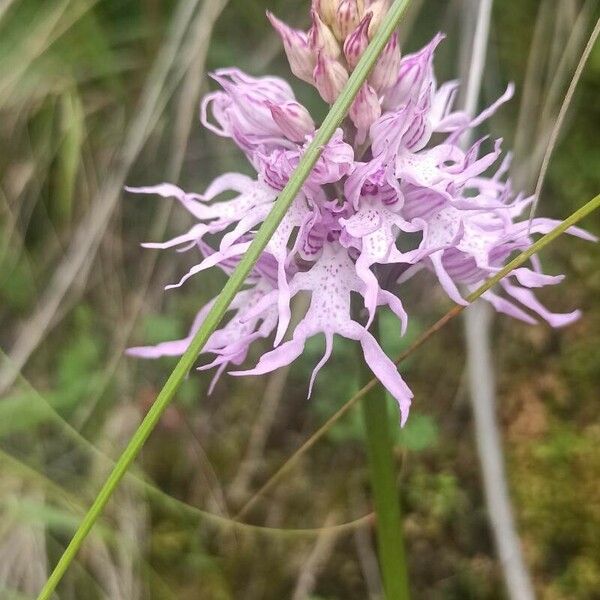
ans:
(394, 192)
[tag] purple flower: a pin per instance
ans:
(242, 111)
(231, 343)
(395, 168)
(331, 280)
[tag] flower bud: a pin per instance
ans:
(357, 42)
(365, 110)
(414, 74)
(386, 69)
(293, 119)
(326, 10)
(379, 8)
(241, 108)
(321, 38)
(330, 77)
(347, 17)
(298, 52)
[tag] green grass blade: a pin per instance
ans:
(380, 451)
(331, 122)
(70, 154)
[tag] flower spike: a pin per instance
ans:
(393, 194)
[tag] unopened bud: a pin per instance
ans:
(326, 10)
(365, 110)
(321, 38)
(293, 119)
(330, 77)
(298, 52)
(379, 8)
(414, 72)
(357, 42)
(347, 17)
(386, 69)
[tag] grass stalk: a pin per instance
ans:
(380, 452)
(331, 122)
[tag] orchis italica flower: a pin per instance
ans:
(381, 177)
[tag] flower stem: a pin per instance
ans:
(390, 539)
(331, 122)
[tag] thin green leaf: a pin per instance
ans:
(69, 154)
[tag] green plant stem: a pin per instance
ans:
(380, 452)
(313, 152)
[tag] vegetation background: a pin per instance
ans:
(98, 94)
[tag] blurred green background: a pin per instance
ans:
(98, 94)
